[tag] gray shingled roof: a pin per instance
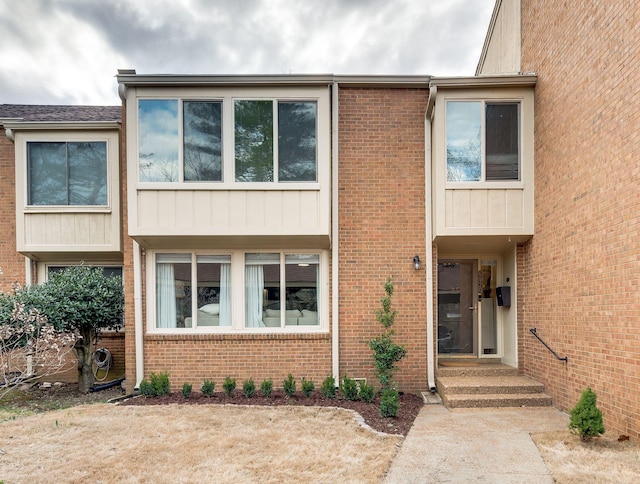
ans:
(34, 112)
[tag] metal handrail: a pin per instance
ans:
(565, 359)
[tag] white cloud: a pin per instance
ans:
(67, 51)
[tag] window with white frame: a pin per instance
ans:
(483, 141)
(182, 140)
(237, 291)
(64, 173)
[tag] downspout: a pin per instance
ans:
(335, 280)
(28, 271)
(429, 255)
(137, 309)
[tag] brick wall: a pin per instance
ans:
(196, 358)
(582, 267)
(381, 226)
(11, 262)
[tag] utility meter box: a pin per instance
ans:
(503, 294)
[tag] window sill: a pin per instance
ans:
(485, 185)
(191, 336)
(66, 209)
(220, 186)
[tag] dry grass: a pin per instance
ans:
(602, 460)
(201, 443)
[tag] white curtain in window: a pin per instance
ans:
(254, 281)
(166, 296)
(225, 295)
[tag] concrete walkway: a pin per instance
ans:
(475, 445)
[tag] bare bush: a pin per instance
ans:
(31, 348)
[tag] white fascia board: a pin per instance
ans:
(200, 80)
(61, 125)
(518, 80)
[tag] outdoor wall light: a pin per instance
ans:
(416, 262)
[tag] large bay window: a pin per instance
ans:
(67, 173)
(240, 291)
(483, 141)
(183, 140)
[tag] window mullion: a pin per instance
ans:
(180, 141)
(483, 142)
(68, 172)
(276, 169)
(283, 291)
(194, 290)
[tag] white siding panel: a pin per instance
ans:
(185, 209)
(309, 206)
(515, 208)
(256, 207)
(202, 209)
(167, 209)
(461, 213)
(53, 229)
(274, 201)
(219, 203)
(73, 231)
(448, 208)
(497, 210)
(478, 207)
(148, 209)
(232, 212)
(238, 209)
(81, 228)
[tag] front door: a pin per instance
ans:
(457, 307)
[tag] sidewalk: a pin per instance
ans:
(475, 445)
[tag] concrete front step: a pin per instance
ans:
(487, 369)
(475, 385)
(497, 400)
(464, 385)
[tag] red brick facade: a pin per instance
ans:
(382, 225)
(580, 273)
(11, 263)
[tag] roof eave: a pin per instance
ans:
(17, 125)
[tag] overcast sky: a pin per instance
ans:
(68, 51)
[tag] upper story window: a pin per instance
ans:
(483, 141)
(67, 173)
(183, 141)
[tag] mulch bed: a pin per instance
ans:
(410, 405)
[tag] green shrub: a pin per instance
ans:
(586, 417)
(229, 385)
(289, 386)
(307, 387)
(386, 353)
(266, 387)
(389, 402)
(187, 388)
(329, 387)
(349, 388)
(146, 388)
(367, 393)
(248, 388)
(156, 386)
(207, 388)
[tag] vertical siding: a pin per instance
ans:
(503, 51)
(229, 212)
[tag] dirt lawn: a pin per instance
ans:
(192, 443)
(603, 460)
